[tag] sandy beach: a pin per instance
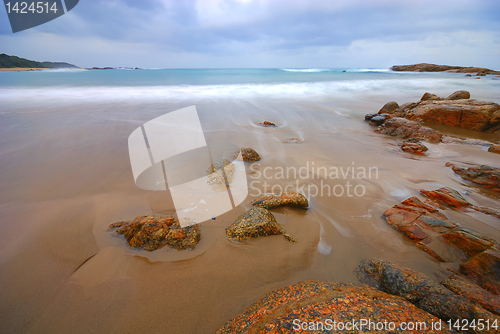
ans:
(66, 177)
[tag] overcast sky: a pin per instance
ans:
(264, 33)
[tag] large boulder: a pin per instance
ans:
(327, 307)
(389, 108)
(421, 291)
(430, 97)
(256, 222)
(474, 293)
(469, 114)
(405, 129)
(459, 95)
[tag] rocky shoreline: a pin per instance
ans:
(424, 67)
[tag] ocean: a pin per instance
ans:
(66, 176)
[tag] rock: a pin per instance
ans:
(494, 148)
(290, 198)
(403, 128)
(484, 175)
(294, 140)
(419, 290)
(481, 74)
(267, 124)
(149, 232)
(378, 120)
(183, 237)
(468, 75)
(222, 172)
(317, 304)
(370, 116)
(405, 107)
(474, 293)
(256, 222)
(469, 114)
(430, 97)
(470, 242)
(484, 268)
(415, 148)
(424, 67)
(389, 108)
(459, 95)
(447, 196)
(248, 154)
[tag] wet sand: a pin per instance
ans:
(66, 176)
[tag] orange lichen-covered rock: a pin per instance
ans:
(474, 293)
(464, 113)
(415, 148)
(485, 269)
(267, 124)
(149, 232)
(321, 307)
(448, 196)
(248, 154)
(418, 289)
(403, 128)
(484, 175)
(290, 198)
(471, 242)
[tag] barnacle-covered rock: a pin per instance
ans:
(221, 172)
(256, 222)
(149, 232)
(313, 306)
(290, 198)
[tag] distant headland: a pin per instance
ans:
(423, 67)
(14, 63)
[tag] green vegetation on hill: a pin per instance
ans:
(7, 61)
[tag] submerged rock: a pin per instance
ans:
(290, 198)
(256, 222)
(403, 128)
(416, 148)
(149, 232)
(484, 175)
(222, 172)
(314, 305)
(267, 124)
(418, 289)
(292, 140)
(248, 154)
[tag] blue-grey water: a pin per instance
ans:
(65, 175)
